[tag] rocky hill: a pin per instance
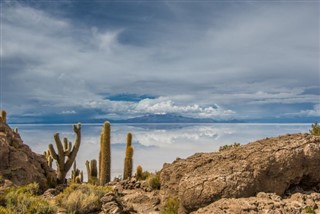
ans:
(273, 165)
(18, 163)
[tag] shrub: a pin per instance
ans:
(82, 198)
(227, 147)
(171, 206)
(25, 200)
(4, 210)
(309, 210)
(153, 180)
(315, 129)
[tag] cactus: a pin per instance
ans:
(63, 166)
(92, 171)
(76, 174)
(48, 158)
(139, 175)
(128, 159)
(3, 116)
(105, 155)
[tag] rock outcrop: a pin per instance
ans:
(19, 164)
(268, 203)
(272, 165)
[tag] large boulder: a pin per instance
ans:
(19, 164)
(272, 165)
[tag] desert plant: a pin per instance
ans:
(315, 129)
(3, 116)
(171, 206)
(48, 158)
(105, 155)
(92, 171)
(139, 173)
(227, 147)
(76, 174)
(153, 180)
(82, 199)
(309, 209)
(128, 159)
(4, 210)
(65, 151)
(25, 200)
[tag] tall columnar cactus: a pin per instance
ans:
(76, 174)
(92, 171)
(128, 159)
(3, 116)
(105, 155)
(48, 157)
(66, 150)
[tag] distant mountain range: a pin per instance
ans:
(150, 118)
(173, 118)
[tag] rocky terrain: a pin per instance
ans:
(273, 165)
(273, 175)
(19, 164)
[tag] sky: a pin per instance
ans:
(93, 60)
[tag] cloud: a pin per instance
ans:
(228, 60)
(164, 105)
(69, 112)
(315, 112)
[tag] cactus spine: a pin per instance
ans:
(92, 171)
(105, 155)
(66, 150)
(48, 157)
(3, 116)
(128, 159)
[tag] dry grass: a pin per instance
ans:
(82, 198)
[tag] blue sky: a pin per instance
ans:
(87, 60)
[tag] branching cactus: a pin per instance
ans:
(128, 159)
(92, 171)
(65, 151)
(48, 158)
(3, 116)
(105, 155)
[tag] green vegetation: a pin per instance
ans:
(82, 198)
(153, 180)
(315, 129)
(92, 172)
(139, 173)
(128, 159)
(171, 206)
(26, 200)
(309, 210)
(4, 210)
(105, 155)
(227, 147)
(65, 151)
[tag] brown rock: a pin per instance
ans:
(19, 164)
(264, 203)
(269, 165)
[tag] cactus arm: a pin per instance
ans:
(53, 152)
(73, 154)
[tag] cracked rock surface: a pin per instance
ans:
(271, 165)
